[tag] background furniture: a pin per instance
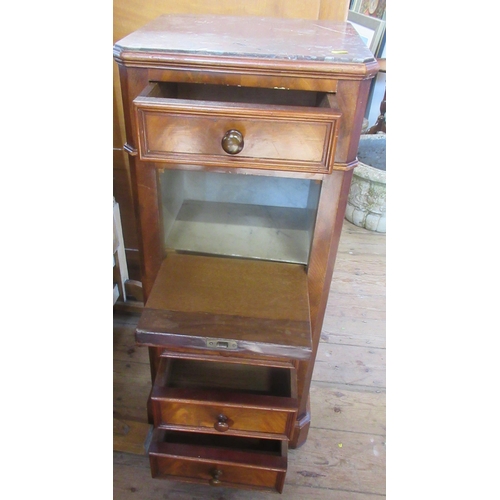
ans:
(120, 270)
(380, 124)
(127, 293)
(242, 139)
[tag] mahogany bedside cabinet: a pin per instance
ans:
(242, 135)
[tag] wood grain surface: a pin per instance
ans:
(344, 455)
(259, 304)
(129, 15)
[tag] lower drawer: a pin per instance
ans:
(216, 397)
(219, 460)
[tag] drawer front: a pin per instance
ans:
(221, 418)
(218, 460)
(270, 137)
(224, 398)
(212, 473)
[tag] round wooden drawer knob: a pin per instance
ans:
(215, 481)
(221, 425)
(232, 142)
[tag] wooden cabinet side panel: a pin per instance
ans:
(352, 97)
(331, 213)
(149, 223)
(144, 183)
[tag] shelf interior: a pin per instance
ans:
(260, 217)
(244, 378)
(238, 94)
(270, 446)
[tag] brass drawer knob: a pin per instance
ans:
(222, 423)
(215, 481)
(232, 142)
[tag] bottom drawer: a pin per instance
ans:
(219, 460)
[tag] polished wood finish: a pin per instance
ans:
(331, 211)
(135, 74)
(271, 137)
(256, 305)
(190, 312)
(247, 463)
(219, 397)
(348, 395)
(129, 15)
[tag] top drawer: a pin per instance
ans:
(238, 128)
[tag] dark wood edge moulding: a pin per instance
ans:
(336, 70)
(191, 165)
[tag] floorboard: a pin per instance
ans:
(344, 455)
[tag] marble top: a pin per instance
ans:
(250, 37)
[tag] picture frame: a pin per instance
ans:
(370, 29)
(372, 8)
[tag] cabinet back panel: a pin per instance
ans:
(269, 218)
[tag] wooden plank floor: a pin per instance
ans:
(344, 456)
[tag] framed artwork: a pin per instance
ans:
(372, 8)
(370, 29)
